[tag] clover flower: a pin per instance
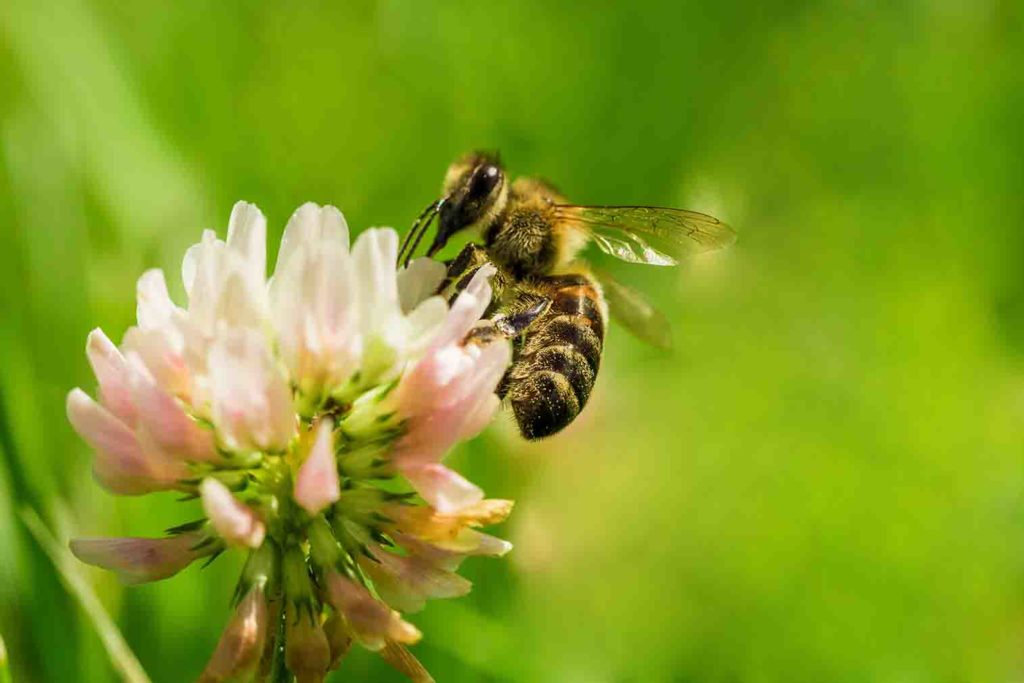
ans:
(310, 414)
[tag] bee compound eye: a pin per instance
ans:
(484, 180)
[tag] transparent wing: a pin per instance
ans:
(630, 309)
(648, 234)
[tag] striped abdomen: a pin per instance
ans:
(552, 375)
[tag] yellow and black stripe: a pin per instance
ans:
(555, 368)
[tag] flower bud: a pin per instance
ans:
(306, 650)
(241, 645)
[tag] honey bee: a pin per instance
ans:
(546, 299)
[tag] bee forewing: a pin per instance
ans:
(624, 231)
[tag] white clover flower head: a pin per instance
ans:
(310, 414)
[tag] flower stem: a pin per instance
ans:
(279, 672)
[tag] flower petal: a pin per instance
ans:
(111, 372)
(234, 521)
(120, 465)
(241, 645)
(138, 560)
(173, 432)
(247, 237)
(316, 483)
(312, 309)
(252, 404)
(467, 308)
(406, 582)
(373, 259)
(372, 622)
(311, 225)
(162, 352)
(445, 490)
(419, 281)
(154, 306)
(338, 637)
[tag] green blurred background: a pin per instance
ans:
(822, 483)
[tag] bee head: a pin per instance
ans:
(474, 194)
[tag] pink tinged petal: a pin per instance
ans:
(162, 418)
(162, 352)
(372, 622)
(120, 465)
(448, 396)
(406, 582)
(467, 308)
(418, 282)
(111, 371)
(307, 652)
(422, 325)
(316, 483)
(154, 306)
(247, 237)
(450, 555)
(234, 521)
(241, 645)
(251, 400)
(138, 560)
(442, 558)
(445, 490)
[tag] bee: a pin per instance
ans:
(546, 299)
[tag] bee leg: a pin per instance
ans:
(461, 270)
(513, 321)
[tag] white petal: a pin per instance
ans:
(312, 225)
(373, 260)
(240, 302)
(251, 399)
(419, 281)
(190, 265)
(203, 273)
(247, 237)
(154, 307)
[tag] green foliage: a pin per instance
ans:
(821, 483)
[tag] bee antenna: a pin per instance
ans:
(416, 232)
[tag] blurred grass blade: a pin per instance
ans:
(5, 672)
(120, 654)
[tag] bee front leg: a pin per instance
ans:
(461, 270)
